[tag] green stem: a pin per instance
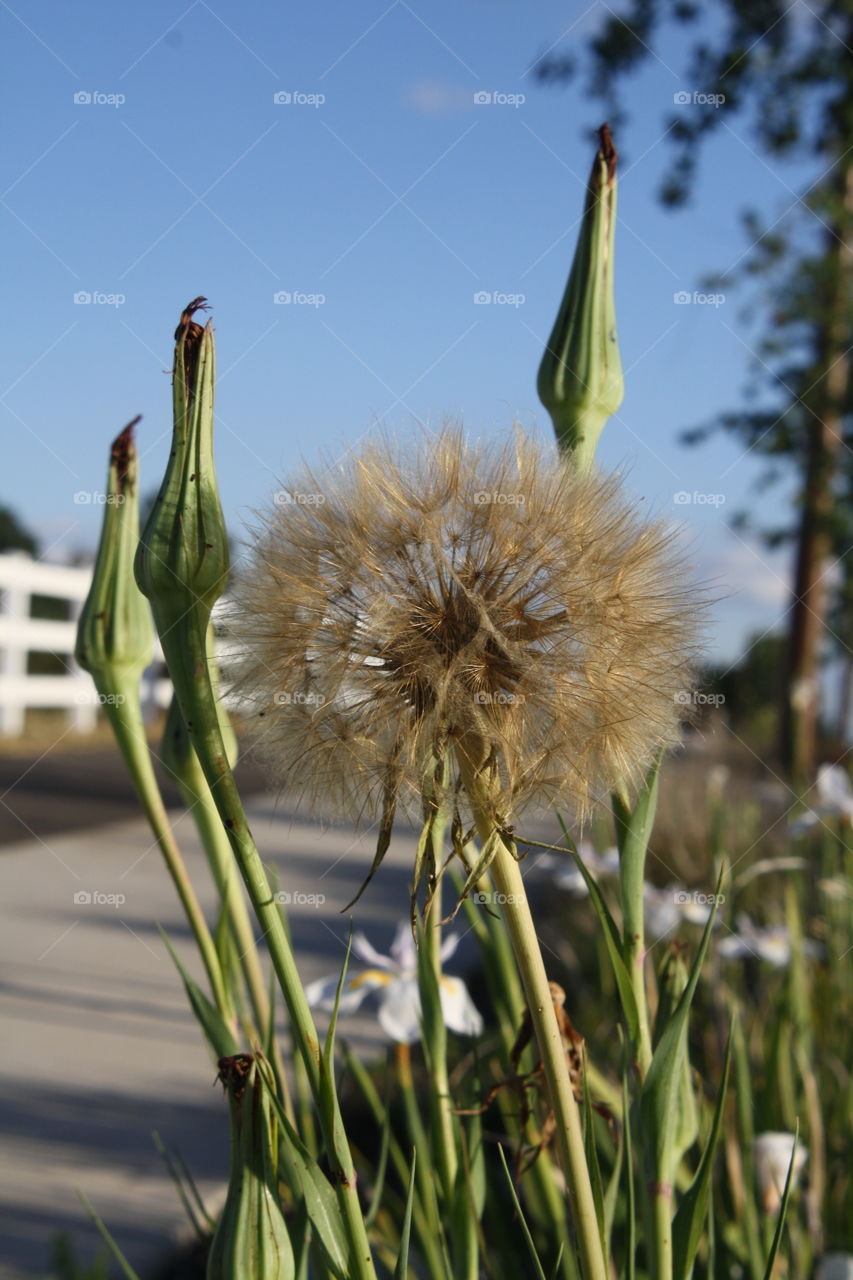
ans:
(218, 850)
(662, 1234)
(444, 1123)
(423, 1177)
(198, 800)
(185, 651)
(522, 932)
(128, 727)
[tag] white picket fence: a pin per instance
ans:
(73, 692)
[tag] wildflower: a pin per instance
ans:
(669, 908)
(567, 876)
(395, 976)
(834, 799)
(772, 945)
(835, 1266)
(468, 606)
(773, 1153)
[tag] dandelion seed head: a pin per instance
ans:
(449, 596)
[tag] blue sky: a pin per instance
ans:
(383, 188)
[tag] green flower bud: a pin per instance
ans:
(182, 561)
(251, 1239)
(114, 633)
(580, 377)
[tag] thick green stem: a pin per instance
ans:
(662, 1233)
(227, 883)
(185, 651)
(127, 724)
(525, 944)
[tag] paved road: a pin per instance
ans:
(60, 789)
(99, 1046)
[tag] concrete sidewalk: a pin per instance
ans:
(99, 1045)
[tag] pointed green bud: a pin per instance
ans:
(182, 562)
(673, 977)
(114, 633)
(580, 377)
(251, 1239)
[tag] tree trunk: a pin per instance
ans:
(801, 705)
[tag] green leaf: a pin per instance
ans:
(217, 1033)
(694, 1207)
(591, 1153)
(122, 1261)
(189, 1208)
(634, 826)
(631, 1200)
(486, 857)
(613, 942)
(406, 1230)
(783, 1209)
(319, 1196)
(528, 1238)
(658, 1101)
